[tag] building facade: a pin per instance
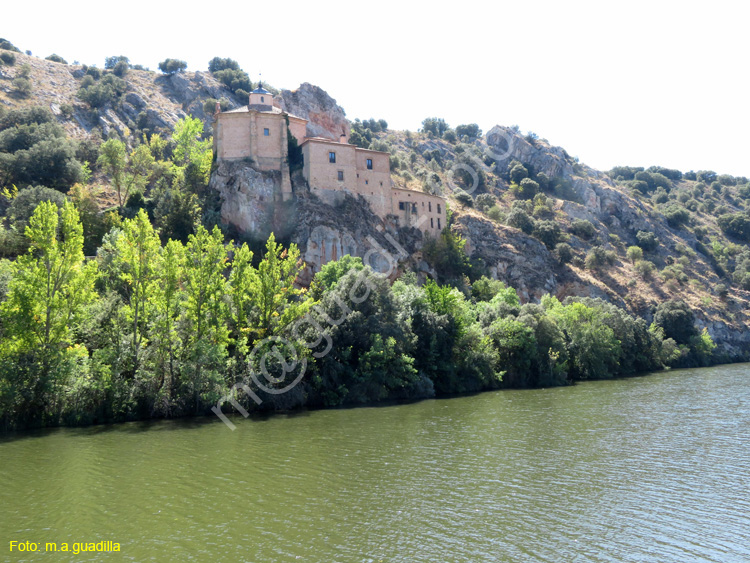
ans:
(259, 132)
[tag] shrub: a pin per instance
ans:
(721, 291)
(217, 63)
(563, 252)
(450, 136)
(110, 63)
(647, 240)
(24, 204)
(520, 220)
(99, 94)
(583, 229)
(736, 225)
(93, 72)
(435, 125)
(464, 198)
(121, 68)
(634, 253)
(527, 189)
(644, 268)
(518, 172)
(548, 232)
(597, 257)
(172, 66)
(22, 87)
(495, 213)
(56, 59)
(8, 58)
(471, 130)
(485, 201)
(234, 79)
(676, 216)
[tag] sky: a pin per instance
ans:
(614, 83)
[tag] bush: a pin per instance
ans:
(464, 198)
(647, 240)
(172, 66)
(99, 94)
(56, 59)
(110, 63)
(563, 252)
(634, 253)
(736, 225)
(644, 268)
(471, 130)
(520, 220)
(583, 228)
(527, 189)
(597, 257)
(8, 58)
(450, 136)
(548, 232)
(22, 87)
(234, 79)
(217, 63)
(676, 216)
(120, 69)
(721, 291)
(435, 125)
(495, 213)
(485, 201)
(518, 172)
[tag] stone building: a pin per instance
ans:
(259, 132)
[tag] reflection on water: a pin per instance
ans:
(645, 469)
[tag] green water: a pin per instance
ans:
(646, 469)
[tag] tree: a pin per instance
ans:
(471, 130)
(172, 66)
(676, 318)
(217, 63)
(111, 62)
(50, 286)
(190, 148)
(647, 240)
(277, 300)
(129, 173)
(634, 253)
(138, 263)
(435, 125)
(56, 59)
(205, 331)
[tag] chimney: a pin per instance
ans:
(217, 111)
(342, 138)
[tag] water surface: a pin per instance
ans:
(646, 469)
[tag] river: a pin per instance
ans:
(653, 468)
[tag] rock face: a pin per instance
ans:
(247, 196)
(326, 118)
(513, 257)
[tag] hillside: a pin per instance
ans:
(531, 215)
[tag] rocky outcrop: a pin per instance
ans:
(326, 118)
(511, 256)
(247, 196)
(326, 232)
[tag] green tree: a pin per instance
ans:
(49, 288)
(172, 66)
(138, 262)
(205, 333)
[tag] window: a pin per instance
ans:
(266, 132)
(439, 212)
(432, 223)
(429, 206)
(369, 164)
(438, 222)
(413, 207)
(262, 100)
(332, 157)
(367, 182)
(341, 175)
(381, 183)
(423, 204)
(401, 206)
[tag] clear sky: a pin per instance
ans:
(636, 83)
